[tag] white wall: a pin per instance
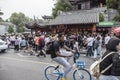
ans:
(2, 29)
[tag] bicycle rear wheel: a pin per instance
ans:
(51, 73)
(82, 74)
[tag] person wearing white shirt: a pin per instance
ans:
(47, 39)
(90, 40)
(12, 39)
(107, 38)
(100, 46)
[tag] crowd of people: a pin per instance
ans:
(37, 45)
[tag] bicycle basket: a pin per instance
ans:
(80, 64)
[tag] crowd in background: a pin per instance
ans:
(37, 44)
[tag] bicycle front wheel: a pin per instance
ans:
(82, 74)
(51, 73)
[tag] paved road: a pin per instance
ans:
(21, 66)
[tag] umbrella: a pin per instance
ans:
(116, 30)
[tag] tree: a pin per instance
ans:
(116, 18)
(115, 4)
(19, 19)
(61, 5)
(1, 13)
(10, 29)
(101, 17)
(1, 19)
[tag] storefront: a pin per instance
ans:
(104, 27)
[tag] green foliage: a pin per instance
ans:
(116, 18)
(21, 29)
(115, 4)
(19, 19)
(1, 13)
(61, 5)
(101, 17)
(54, 13)
(1, 19)
(10, 29)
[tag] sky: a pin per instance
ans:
(30, 8)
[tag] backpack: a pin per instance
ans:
(94, 68)
(95, 44)
(43, 43)
(115, 70)
(79, 38)
(50, 48)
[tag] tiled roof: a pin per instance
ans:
(47, 17)
(29, 25)
(76, 17)
(40, 24)
(71, 17)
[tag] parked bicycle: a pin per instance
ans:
(79, 73)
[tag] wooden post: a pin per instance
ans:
(94, 28)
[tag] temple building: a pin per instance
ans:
(87, 4)
(85, 18)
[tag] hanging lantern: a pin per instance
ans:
(103, 29)
(38, 31)
(99, 29)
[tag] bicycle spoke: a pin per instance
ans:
(51, 73)
(82, 74)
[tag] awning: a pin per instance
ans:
(105, 24)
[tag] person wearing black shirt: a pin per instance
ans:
(59, 57)
(114, 71)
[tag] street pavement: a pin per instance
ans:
(22, 66)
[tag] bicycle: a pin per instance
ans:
(79, 73)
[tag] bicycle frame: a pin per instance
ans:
(76, 67)
(79, 73)
(60, 72)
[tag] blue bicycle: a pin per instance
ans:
(56, 72)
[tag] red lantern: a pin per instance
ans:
(94, 28)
